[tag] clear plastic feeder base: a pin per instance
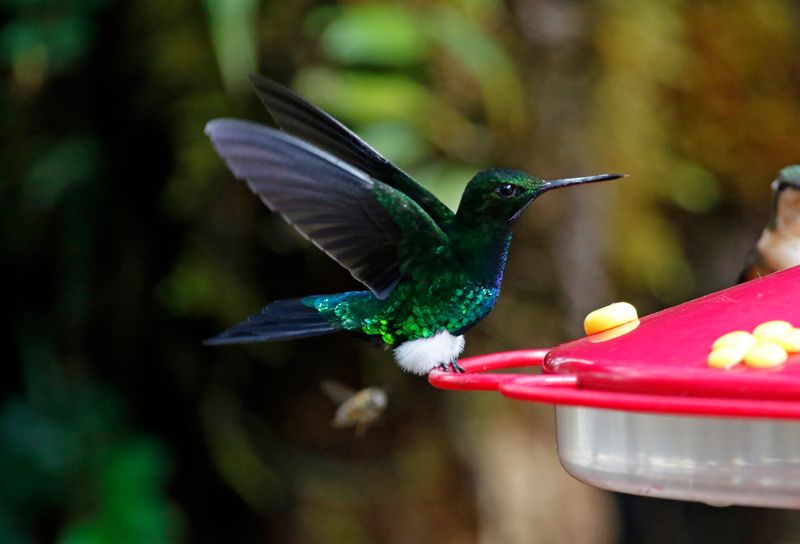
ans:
(719, 461)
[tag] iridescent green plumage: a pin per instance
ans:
(450, 282)
(431, 274)
(409, 313)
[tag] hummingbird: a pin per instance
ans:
(430, 274)
(779, 244)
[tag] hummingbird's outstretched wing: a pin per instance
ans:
(375, 231)
(297, 116)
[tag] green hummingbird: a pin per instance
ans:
(431, 274)
(778, 247)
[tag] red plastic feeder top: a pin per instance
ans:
(660, 365)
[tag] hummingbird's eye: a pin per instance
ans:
(507, 190)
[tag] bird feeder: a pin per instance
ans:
(639, 410)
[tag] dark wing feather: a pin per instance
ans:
(331, 203)
(297, 116)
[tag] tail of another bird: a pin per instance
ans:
(280, 320)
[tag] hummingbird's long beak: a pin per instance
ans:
(556, 183)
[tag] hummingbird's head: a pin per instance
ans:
(786, 203)
(502, 195)
(788, 178)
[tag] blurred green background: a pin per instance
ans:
(125, 242)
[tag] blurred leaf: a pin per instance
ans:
(52, 446)
(651, 252)
(69, 162)
(693, 188)
(65, 446)
(131, 506)
(400, 142)
(26, 52)
(485, 60)
(233, 34)
(377, 34)
(64, 40)
(362, 97)
(446, 179)
(319, 18)
(198, 285)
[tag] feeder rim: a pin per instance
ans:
(565, 389)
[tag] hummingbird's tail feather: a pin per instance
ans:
(280, 320)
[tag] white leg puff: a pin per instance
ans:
(424, 354)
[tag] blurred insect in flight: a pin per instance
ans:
(359, 409)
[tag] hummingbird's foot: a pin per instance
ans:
(453, 367)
